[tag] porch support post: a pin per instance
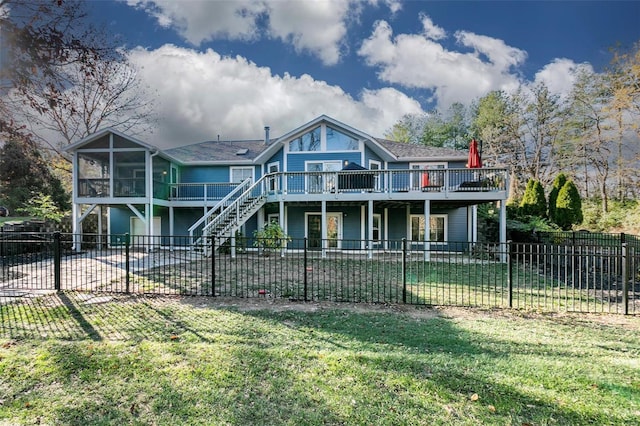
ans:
(232, 243)
(503, 230)
(323, 227)
(427, 230)
(469, 227)
(100, 226)
(363, 232)
(386, 228)
(77, 227)
(370, 228)
(260, 218)
(171, 228)
(148, 225)
(282, 218)
(408, 230)
(474, 223)
(260, 224)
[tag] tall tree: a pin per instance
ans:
(24, 174)
(520, 131)
(408, 129)
(591, 130)
(493, 125)
(623, 77)
(63, 78)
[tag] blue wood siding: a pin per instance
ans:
(457, 224)
(197, 174)
(119, 220)
(370, 155)
(277, 157)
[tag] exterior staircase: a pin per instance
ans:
(221, 222)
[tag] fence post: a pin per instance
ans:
(625, 279)
(127, 266)
(305, 268)
(510, 274)
(213, 266)
(404, 270)
(57, 260)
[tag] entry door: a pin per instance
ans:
(273, 181)
(334, 230)
(138, 229)
(322, 182)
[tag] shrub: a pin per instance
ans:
(42, 207)
(270, 238)
(533, 201)
(568, 211)
(558, 183)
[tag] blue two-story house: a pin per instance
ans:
(337, 186)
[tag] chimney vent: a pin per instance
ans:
(266, 135)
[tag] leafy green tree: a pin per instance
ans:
(558, 183)
(568, 210)
(533, 202)
(42, 207)
(270, 238)
(24, 172)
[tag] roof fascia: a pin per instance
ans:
(106, 131)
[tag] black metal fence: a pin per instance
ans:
(545, 276)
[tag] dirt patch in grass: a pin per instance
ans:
(418, 312)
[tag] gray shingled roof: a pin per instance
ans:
(228, 151)
(404, 150)
(218, 151)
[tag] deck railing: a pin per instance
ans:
(302, 183)
(349, 181)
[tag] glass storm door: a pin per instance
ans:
(334, 230)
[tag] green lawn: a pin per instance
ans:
(82, 359)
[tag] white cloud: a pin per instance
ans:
(202, 20)
(315, 27)
(431, 30)
(202, 95)
(560, 75)
(419, 61)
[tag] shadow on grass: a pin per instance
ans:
(290, 366)
(81, 316)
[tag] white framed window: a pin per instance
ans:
(377, 227)
(321, 182)
(274, 167)
(239, 174)
(427, 174)
(310, 141)
(324, 138)
(438, 227)
(273, 218)
(376, 165)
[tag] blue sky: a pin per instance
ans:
(231, 67)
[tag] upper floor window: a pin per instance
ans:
(324, 138)
(338, 141)
(308, 142)
(240, 174)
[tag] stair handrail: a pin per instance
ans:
(235, 204)
(218, 205)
